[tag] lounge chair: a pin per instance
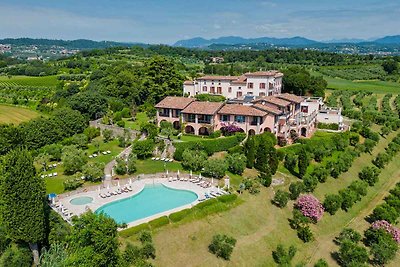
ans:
(170, 179)
(90, 156)
(108, 194)
(129, 188)
(108, 152)
(185, 179)
(153, 158)
(55, 174)
(50, 175)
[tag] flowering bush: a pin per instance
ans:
(310, 207)
(230, 128)
(382, 224)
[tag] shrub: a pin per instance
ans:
(121, 124)
(251, 185)
(134, 230)
(180, 215)
(305, 234)
(16, 255)
(210, 146)
(215, 168)
(384, 212)
(321, 173)
(310, 207)
(148, 251)
(348, 234)
(381, 160)
(392, 230)
(159, 222)
(145, 237)
(296, 189)
(222, 246)
(282, 256)
(290, 161)
(215, 134)
(360, 187)
(383, 246)
(193, 159)
(332, 203)
(298, 220)
(281, 198)
(227, 198)
(143, 149)
(236, 163)
(265, 178)
(310, 183)
(236, 149)
(321, 263)
(329, 126)
(349, 197)
(351, 254)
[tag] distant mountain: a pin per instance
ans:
(395, 39)
(236, 40)
(71, 44)
(346, 41)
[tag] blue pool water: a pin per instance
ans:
(81, 200)
(151, 200)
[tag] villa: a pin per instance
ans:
(254, 105)
(261, 83)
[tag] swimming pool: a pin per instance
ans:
(81, 200)
(151, 200)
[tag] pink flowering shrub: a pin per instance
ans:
(382, 224)
(230, 128)
(310, 207)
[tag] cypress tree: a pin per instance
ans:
(250, 147)
(22, 200)
(262, 157)
(302, 162)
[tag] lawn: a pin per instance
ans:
(45, 81)
(141, 117)
(148, 166)
(189, 137)
(375, 86)
(16, 115)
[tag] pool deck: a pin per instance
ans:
(137, 186)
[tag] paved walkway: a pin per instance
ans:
(108, 170)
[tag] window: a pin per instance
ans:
(204, 88)
(262, 85)
(219, 90)
(262, 94)
(212, 90)
(240, 119)
(238, 94)
(225, 118)
(240, 88)
(304, 109)
(230, 90)
(204, 119)
(191, 118)
(219, 83)
(250, 85)
(271, 86)
(205, 82)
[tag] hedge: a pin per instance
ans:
(210, 146)
(159, 222)
(178, 216)
(329, 126)
(134, 230)
(227, 198)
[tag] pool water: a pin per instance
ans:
(81, 200)
(151, 200)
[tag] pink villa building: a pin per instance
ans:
(255, 105)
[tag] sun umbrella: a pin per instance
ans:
(118, 184)
(191, 173)
(212, 180)
(167, 172)
(178, 174)
(130, 181)
(200, 176)
(108, 186)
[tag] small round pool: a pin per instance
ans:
(81, 200)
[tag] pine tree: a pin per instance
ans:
(22, 200)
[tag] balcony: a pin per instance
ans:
(204, 121)
(163, 114)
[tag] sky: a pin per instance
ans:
(156, 21)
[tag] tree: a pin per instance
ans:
(321, 263)
(290, 162)
(281, 198)
(93, 241)
(369, 174)
(305, 234)
(73, 159)
(265, 178)
(167, 129)
(236, 163)
(349, 197)
(143, 149)
(43, 159)
(303, 161)
(93, 171)
(120, 168)
(348, 234)
(96, 144)
(369, 145)
(215, 168)
(222, 246)
(131, 164)
(107, 135)
(310, 183)
(321, 173)
(298, 81)
(22, 220)
(332, 203)
(16, 255)
(193, 159)
(384, 212)
(351, 254)
(384, 248)
(151, 130)
(250, 149)
(55, 256)
(91, 133)
(296, 189)
(282, 256)
(390, 66)
(90, 103)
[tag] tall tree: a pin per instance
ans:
(250, 149)
(22, 200)
(303, 162)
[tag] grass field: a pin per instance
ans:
(46, 81)
(16, 115)
(259, 226)
(141, 117)
(379, 87)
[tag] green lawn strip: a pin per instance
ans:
(46, 81)
(149, 166)
(16, 114)
(141, 117)
(332, 185)
(368, 85)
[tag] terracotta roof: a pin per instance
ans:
(212, 77)
(188, 83)
(291, 98)
(268, 109)
(236, 109)
(174, 102)
(273, 100)
(274, 73)
(240, 80)
(204, 108)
